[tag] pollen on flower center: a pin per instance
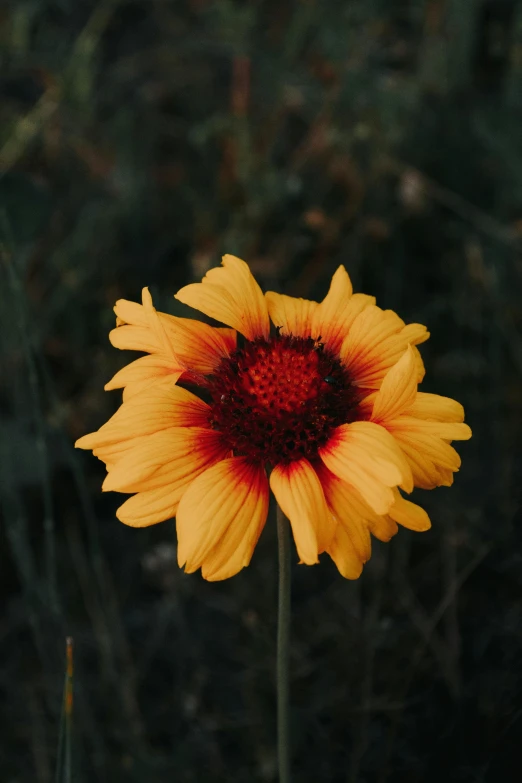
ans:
(277, 400)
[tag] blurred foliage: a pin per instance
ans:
(139, 140)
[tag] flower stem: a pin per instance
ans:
(283, 647)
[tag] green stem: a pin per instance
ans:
(283, 647)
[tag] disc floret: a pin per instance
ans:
(278, 400)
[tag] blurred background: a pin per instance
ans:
(140, 140)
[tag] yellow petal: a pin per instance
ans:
(111, 453)
(384, 452)
(172, 456)
(156, 408)
(447, 430)
(429, 457)
(294, 316)
(344, 554)
(141, 373)
(382, 527)
(330, 317)
(234, 551)
(372, 346)
(355, 306)
(415, 334)
(149, 508)
(299, 493)
(220, 518)
(139, 462)
(231, 295)
(436, 408)
(366, 456)
(157, 327)
(421, 371)
(409, 515)
(182, 343)
(328, 321)
(229, 337)
(348, 509)
(339, 293)
(198, 346)
(445, 477)
(134, 338)
(131, 313)
(375, 342)
(398, 389)
(192, 344)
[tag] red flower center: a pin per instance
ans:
(278, 400)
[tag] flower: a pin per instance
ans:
(324, 396)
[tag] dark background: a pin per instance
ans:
(140, 140)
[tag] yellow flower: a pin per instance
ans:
(323, 396)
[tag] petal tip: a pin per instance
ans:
(85, 442)
(467, 433)
(146, 298)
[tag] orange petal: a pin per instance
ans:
(134, 338)
(141, 373)
(157, 327)
(436, 408)
(234, 551)
(181, 342)
(198, 346)
(374, 343)
(349, 510)
(415, 334)
(149, 508)
(409, 515)
(299, 493)
(445, 477)
(429, 457)
(421, 372)
(382, 528)
(383, 450)
(229, 337)
(447, 430)
(191, 344)
(231, 295)
(220, 518)
(344, 554)
(156, 408)
(111, 453)
(132, 313)
(330, 316)
(357, 304)
(398, 389)
(328, 321)
(372, 346)
(293, 316)
(366, 456)
(174, 456)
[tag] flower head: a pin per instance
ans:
(317, 401)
